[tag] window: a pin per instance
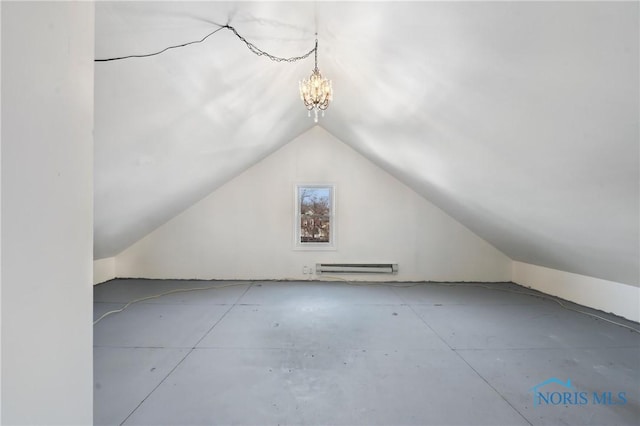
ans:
(315, 211)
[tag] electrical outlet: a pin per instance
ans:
(305, 270)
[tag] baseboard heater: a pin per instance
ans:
(357, 268)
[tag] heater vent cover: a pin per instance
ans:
(357, 268)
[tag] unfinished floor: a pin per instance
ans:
(331, 353)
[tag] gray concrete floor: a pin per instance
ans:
(329, 353)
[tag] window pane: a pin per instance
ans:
(314, 228)
(315, 201)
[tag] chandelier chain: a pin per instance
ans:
(252, 47)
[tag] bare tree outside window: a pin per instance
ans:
(314, 215)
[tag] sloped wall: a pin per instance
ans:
(244, 229)
(608, 296)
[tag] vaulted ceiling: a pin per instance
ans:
(520, 120)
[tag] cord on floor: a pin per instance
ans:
(166, 293)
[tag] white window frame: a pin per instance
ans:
(298, 244)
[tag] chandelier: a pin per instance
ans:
(316, 92)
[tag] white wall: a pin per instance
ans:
(104, 270)
(608, 296)
(244, 230)
(46, 192)
(0, 214)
